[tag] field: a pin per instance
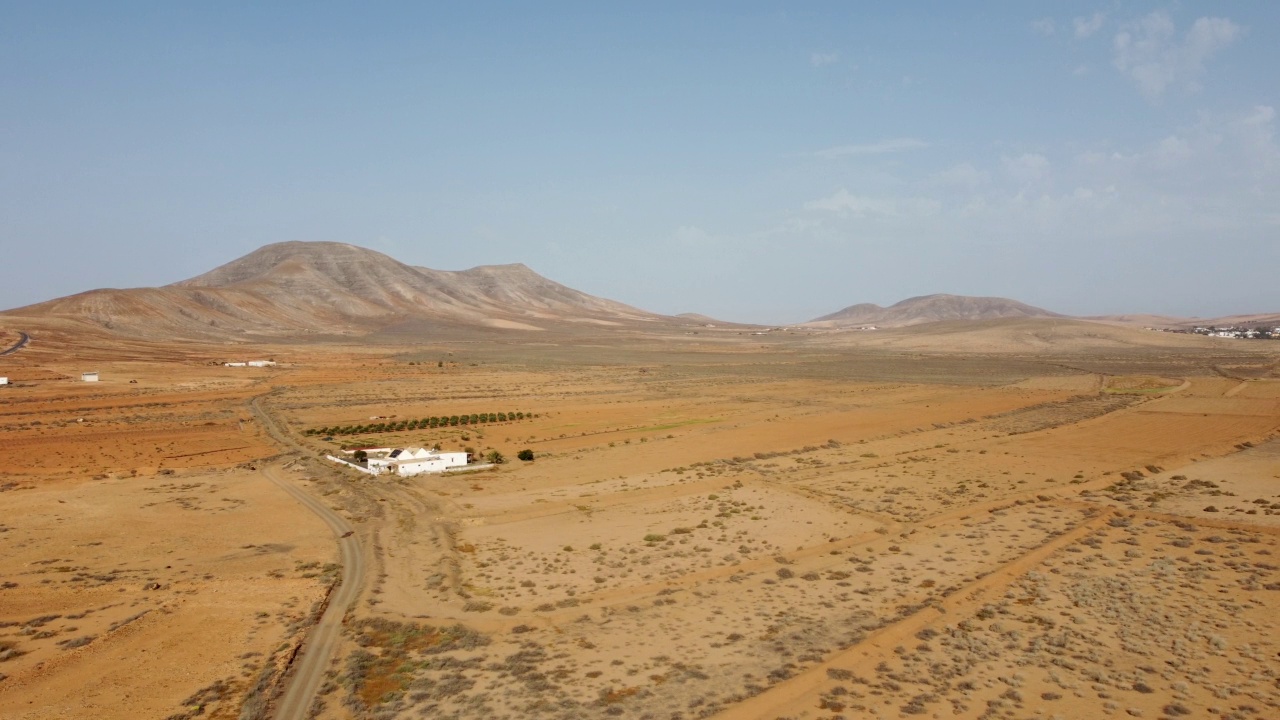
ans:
(712, 526)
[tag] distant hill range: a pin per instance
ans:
(300, 288)
(1167, 322)
(928, 309)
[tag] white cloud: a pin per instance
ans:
(1027, 168)
(821, 59)
(691, 235)
(1172, 151)
(964, 177)
(1044, 26)
(1149, 53)
(1087, 26)
(845, 203)
(892, 145)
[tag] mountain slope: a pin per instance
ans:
(931, 308)
(332, 288)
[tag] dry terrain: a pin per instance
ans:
(1024, 519)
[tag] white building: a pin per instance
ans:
(262, 363)
(413, 461)
(235, 364)
(89, 376)
(4, 381)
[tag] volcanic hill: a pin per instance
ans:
(326, 288)
(931, 308)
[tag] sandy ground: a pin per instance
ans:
(718, 527)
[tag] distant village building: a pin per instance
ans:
(251, 363)
(89, 376)
(235, 364)
(4, 381)
(411, 461)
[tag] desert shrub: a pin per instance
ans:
(525, 455)
(9, 651)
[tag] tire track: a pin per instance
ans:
(782, 698)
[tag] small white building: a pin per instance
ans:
(89, 376)
(235, 364)
(4, 381)
(413, 461)
(262, 363)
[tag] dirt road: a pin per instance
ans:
(319, 649)
(309, 669)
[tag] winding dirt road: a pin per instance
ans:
(309, 669)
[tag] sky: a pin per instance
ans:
(760, 162)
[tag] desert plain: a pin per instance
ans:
(1022, 519)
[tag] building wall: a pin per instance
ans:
(434, 464)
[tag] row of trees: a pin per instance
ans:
(421, 423)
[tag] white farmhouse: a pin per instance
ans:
(4, 381)
(89, 376)
(413, 461)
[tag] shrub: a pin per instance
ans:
(525, 455)
(495, 457)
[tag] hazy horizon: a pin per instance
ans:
(750, 162)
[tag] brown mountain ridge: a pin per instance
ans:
(310, 289)
(931, 308)
(307, 288)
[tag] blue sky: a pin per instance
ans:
(765, 162)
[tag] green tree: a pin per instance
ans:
(361, 456)
(525, 455)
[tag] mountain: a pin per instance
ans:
(328, 288)
(931, 308)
